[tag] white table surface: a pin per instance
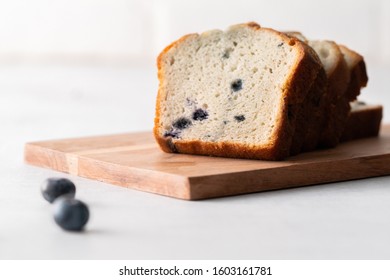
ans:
(348, 220)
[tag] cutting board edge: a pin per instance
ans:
(174, 185)
(320, 173)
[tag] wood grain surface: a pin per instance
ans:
(134, 160)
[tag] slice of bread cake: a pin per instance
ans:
(312, 114)
(357, 68)
(336, 108)
(311, 117)
(234, 94)
(363, 121)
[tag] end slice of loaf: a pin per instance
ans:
(233, 94)
(363, 121)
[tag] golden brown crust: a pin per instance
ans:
(296, 34)
(253, 25)
(363, 123)
(295, 90)
(221, 149)
(311, 116)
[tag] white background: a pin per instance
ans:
(128, 29)
(78, 68)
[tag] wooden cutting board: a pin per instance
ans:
(134, 160)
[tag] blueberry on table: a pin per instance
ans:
(53, 188)
(70, 214)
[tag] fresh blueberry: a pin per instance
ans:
(236, 85)
(239, 118)
(56, 187)
(200, 115)
(181, 123)
(70, 214)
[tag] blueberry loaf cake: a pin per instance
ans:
(234, 93)
(253, 92)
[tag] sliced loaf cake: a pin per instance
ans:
(357, 69)
(234, 94)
